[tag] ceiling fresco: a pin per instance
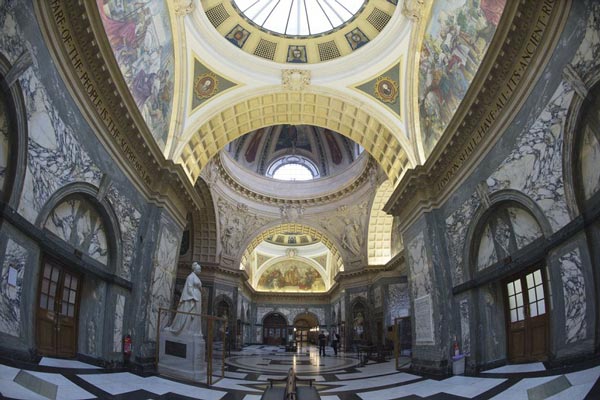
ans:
(456, 39)
(291, 276)
(207, 84)
(385, 88)
(140, 37)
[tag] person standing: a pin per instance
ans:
(322, 343)
(335, 342)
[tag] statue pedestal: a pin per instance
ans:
(182, 356)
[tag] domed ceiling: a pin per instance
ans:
(322, 151)
(389, 80)
(390, 77)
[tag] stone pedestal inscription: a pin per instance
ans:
(182, 356)
(423, 320)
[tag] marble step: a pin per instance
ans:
(36, 384)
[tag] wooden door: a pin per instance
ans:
(527, 321)
(58, 308)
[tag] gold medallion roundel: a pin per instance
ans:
(206, 85)
(386, 89)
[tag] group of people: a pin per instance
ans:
(323, 337)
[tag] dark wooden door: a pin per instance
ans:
(58, 309)
(527, 322)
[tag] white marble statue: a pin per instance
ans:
(190, 302)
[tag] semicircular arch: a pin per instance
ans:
(338, 112)
(298, 228)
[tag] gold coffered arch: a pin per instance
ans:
(350, 118)
(301, 229)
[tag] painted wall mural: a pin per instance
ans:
(291, 276)
(78, 223)
(455, 42)
(140, 36)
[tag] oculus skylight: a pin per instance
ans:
(299, 17)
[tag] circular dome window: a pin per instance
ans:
(293, 168)
(299, 17)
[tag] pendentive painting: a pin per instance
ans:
(456, 40)
(291, 276)
(140, 36)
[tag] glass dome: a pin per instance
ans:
(299, 17)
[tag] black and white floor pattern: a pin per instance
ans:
(337, 378)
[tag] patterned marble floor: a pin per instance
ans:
(337, 378)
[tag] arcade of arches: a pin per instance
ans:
(451, 152)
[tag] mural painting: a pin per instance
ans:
(140, 36)
(455, 43)
(291, 276)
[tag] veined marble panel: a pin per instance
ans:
(574, 296)
(54, 158)
(457, 226)
(486, 255)
(424, 331)
(534, 167)
(418, 261)
(588, 53)
(398, 301)
(502, 233)
(590, 159)
(11, 287)
(118, 326)
(525, 227)
(163, 277)
(465, 331)
(78, 223)
(377, 296)
(129, 223)
(4, 143)
(95, 295)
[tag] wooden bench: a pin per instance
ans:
(290, 391)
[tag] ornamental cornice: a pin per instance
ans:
(332, 197)
(521, 47)
(78, 44)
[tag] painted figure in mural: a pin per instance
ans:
(350, 240)
(190, 302)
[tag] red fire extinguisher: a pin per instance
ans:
(127, 347)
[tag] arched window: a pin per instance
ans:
(589, 150)
(507, 229)
(293, 168)
(76, 221)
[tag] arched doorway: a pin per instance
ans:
(511, 225)
(306, 329)
(274, 329)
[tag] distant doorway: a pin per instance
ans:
(306, 327)
(274, 329)
(58, 310)
(527, 317)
